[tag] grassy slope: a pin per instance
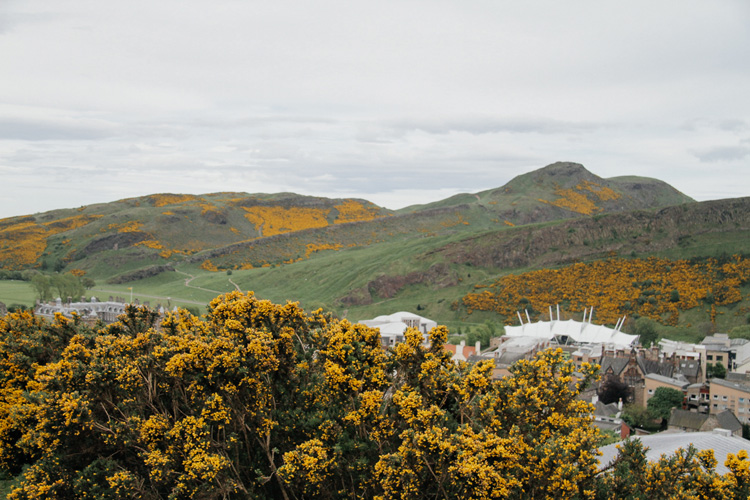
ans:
(394, 246)
(17, 292)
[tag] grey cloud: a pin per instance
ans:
(722, 153)
(489, 125)
(31, 129)
(726, 125)
(261, 121)
(733, 125)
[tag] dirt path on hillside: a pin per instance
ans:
(159, 297)
(235, 285)
(188, 279)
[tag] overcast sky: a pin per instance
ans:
(398, 102)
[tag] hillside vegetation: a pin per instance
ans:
(359, 260)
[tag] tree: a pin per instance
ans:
(664, 399)
(613, 390)
(637, 416)
(715, 370)
(646, 329)
(43, 286)
(67, 285)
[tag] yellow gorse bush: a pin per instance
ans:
(262, 400)
(654, 287)
(23, 242)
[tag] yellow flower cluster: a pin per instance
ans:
(602, 192)
(126, 227)
(22, 241)
(354, 211)
(162, 200)
(155, 244)
(573, 201)
(314, 247)
(277, 220)
(653, 287)
(207, 265)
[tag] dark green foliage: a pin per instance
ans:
(715, 370)
(646, 329)
(612, 390)
(664, 399)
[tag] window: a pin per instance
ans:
(719, 358)
(716, 396)
(650, 391)
(723, 398)
(710, 357)
(742, 400)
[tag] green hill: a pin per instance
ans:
(360, 260)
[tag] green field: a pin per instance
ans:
(17, 292)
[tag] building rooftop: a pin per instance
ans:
(739, 385)
(668, 380)
(687, 419)
(666, 443)
(573, 332)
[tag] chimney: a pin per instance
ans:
(477, 347)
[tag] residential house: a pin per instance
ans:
(732, 393)
(607, 418)
(719, 350)
(698, 397)
(693, 356)
(690, 421)
(741, 350)
(393, 326)
(632, 370)
(653, 381)
(463, 352)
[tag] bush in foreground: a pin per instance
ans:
(260, 400)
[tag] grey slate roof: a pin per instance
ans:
(668, 380)
(666, 443)
(656, 367)
(689, 368)
(602, 410)
(687, 419)
(617, 364)
(728, 420)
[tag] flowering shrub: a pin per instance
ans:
(353, 211)
(162, 200)
(261, 400)
(276, 220)
(650, 287)
(578, 200)
(23, 242)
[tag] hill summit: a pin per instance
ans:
(255, 230)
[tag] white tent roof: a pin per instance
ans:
(575, 331)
